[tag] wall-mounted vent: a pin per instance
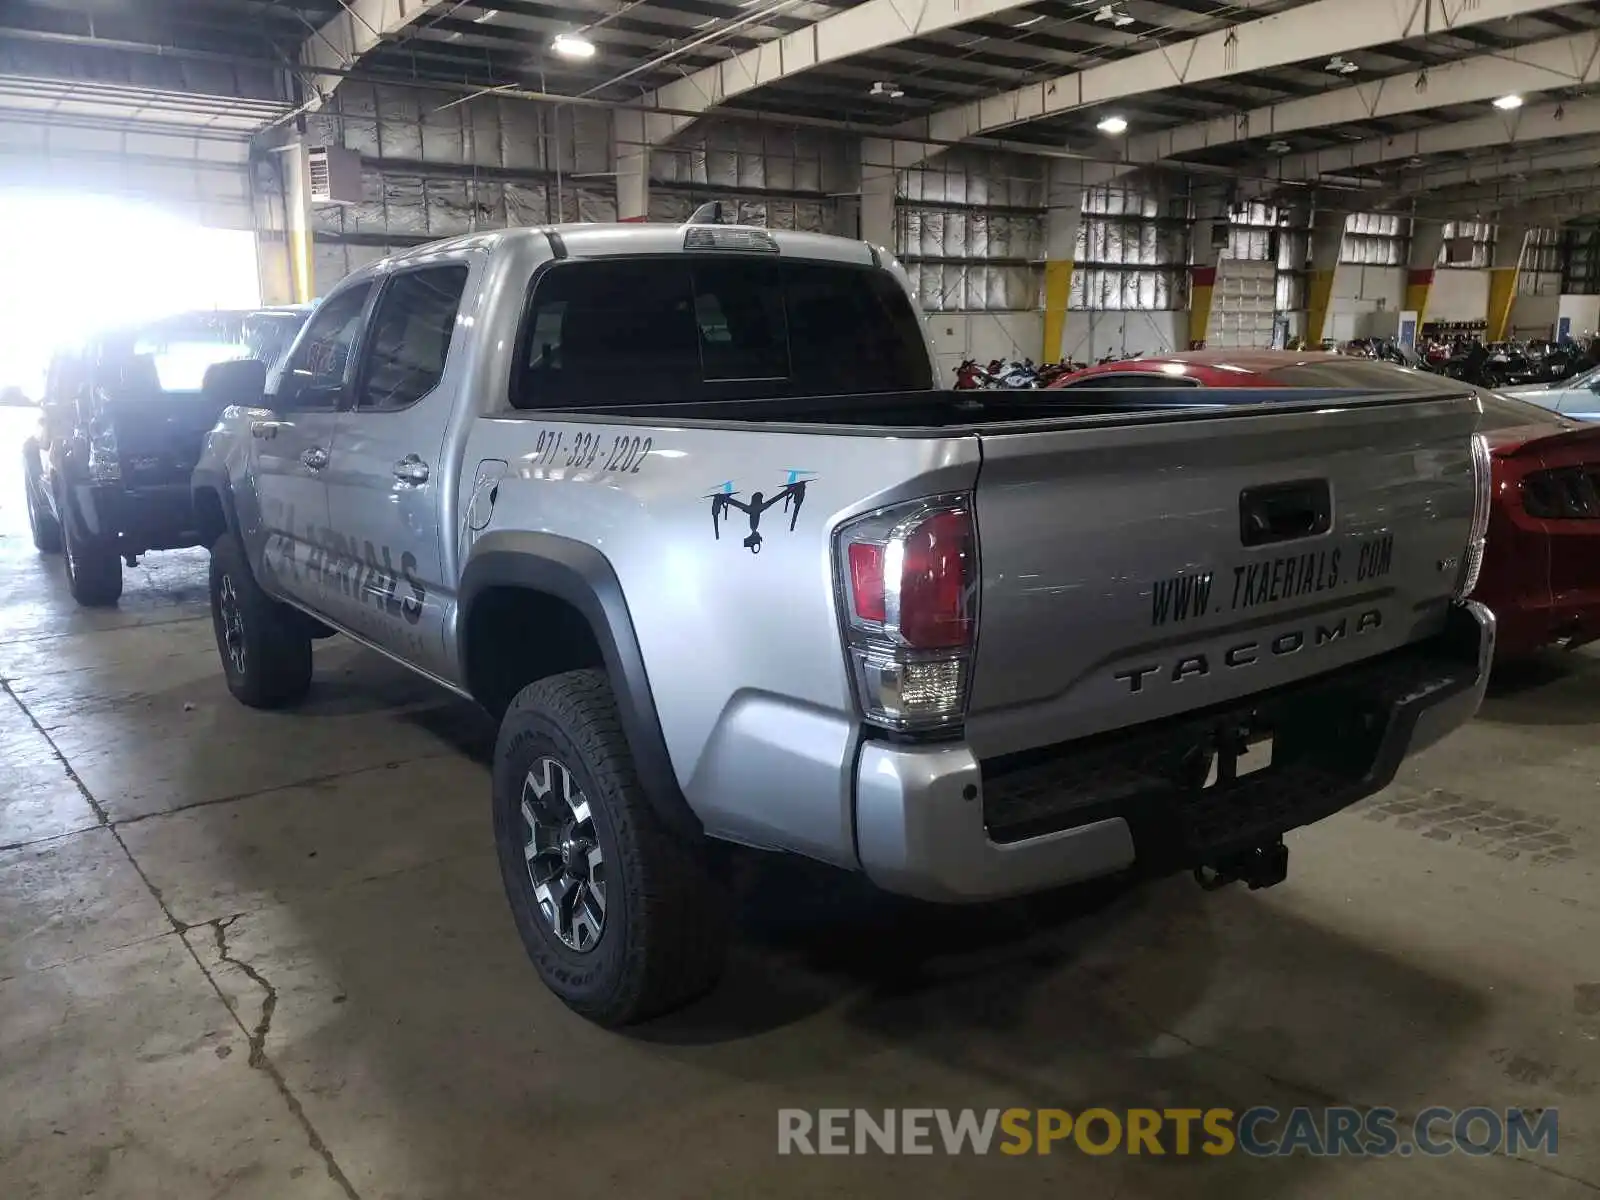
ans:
(335, 175)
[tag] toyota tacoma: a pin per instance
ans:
(684, 510)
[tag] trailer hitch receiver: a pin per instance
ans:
(1259, 866)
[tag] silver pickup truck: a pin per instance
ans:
(684, 510)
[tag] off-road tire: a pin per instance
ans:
(665, 933)
(94, 568)
(272, 665)
(42, 524)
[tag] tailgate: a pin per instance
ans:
(1120, 584)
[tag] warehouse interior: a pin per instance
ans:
(265, 955)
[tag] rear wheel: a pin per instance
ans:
(618, 912)
(94, 568)
(265, 651)
(42, 524)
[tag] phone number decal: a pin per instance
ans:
(584, 451)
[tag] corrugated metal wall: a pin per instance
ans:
(779, 178)
(971, 228)
(1132, 251)
(433, 167)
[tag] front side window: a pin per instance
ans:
(322, 358)
(690, 328)
(410, 339)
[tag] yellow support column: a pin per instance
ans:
(297, 216)
(1057, 289)
(1319, 297)
(1202, 285)
(1419, 286)
(1503, 280)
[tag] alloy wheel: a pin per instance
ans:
(232, 623)
(566, 866)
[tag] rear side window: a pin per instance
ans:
(1137, 379)
(410, 336)
(692, 328)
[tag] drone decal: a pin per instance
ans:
(791, 495)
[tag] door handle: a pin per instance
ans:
(266, 430)
(315, 458)
(411, 469)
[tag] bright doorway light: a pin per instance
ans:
(75, 263)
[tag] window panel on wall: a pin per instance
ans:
(1482, 235)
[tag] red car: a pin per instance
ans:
(1541, 570)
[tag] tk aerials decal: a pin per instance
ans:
(791, 495)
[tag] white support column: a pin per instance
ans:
(1427, 239)
(1327, 240)
(1063, 215)
(631, 156)
(879, 175)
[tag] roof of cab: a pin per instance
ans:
(625, 238)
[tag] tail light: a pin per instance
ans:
(908, 585)
(1482, 475)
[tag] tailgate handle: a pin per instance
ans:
(1281, 512)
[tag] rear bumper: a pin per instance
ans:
(155, 517)
(934, 822)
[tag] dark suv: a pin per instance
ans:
(123, 425)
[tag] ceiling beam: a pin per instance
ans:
(1553, 198)
(1575, 156)
(1567, 61)
(1322, 27)
(361, 24)
(863, 29)
(1525, 126)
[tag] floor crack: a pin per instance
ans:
(269, 1000)
(257, 1039)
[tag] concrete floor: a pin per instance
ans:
(266, 955)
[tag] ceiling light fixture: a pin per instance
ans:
(572, 45)
(1340, 65)
(1029, 21)
(1507, 103)
(1278, 147)
(1113, 125)
(1113, 14)
(886, 89)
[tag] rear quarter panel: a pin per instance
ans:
(741, 642)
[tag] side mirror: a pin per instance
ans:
(240, 381)
(14, 397)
